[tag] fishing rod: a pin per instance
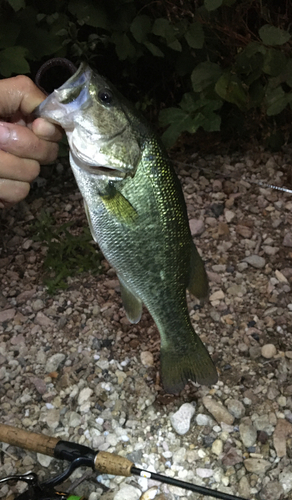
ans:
(101, 461)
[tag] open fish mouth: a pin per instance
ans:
(108, 171)
(97, 169)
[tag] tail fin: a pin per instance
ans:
(181, 361)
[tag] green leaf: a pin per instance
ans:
(195, 35)
(8, 34)
(153, 49)
(205, 75)
(124, 48)
(180, 121)
(274, 62)
(141, 27)
(287, 74)
(256, 93)
(17, 4)
(229, 88)
(164, 29)
(194, 113)
(92, 14)
(276, 101)
(212, 4)
(271, 35)
(12, 60)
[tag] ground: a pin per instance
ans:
(71, 365)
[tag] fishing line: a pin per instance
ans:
(235, 176)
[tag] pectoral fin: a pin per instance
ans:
(198, 281)
(117, 205)
(132, 304)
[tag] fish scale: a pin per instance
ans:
(137, 215)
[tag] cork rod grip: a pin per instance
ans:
(38, 443)
(108, 463)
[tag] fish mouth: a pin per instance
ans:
(107, 171)
(97, 169)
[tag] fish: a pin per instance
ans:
(137, 215)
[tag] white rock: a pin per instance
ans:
(84, 395)
(127, 492)
(54, 362)
(268, 351)
(202, 419)
(181, 419)
(217, 447)
(44, 460)
(146, 358)
(255, 261)
(202, 472)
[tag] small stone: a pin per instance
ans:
(244, 231)
(282, 431)
(231, 458)
(229, 215)
(181, 419)
(236, 290)
(217, 447)
(7, 315)
(272, 491)
(127, 492)
(202, 420)
(52, 418)
(54, 362)
(257, 465)
(236, 408)
(243, 487)
(218, 295)
(287, 241)
(203, 472)
(263, 423)
(285, 478)
(280, 276)
(248, 434)
(84, 395)
(223, 229)
(197, 227)
(269, 250)
(44, 460)
(43, 320)
(255, 351)
(268, 351)
(74, 419)
(255, 261)
(37, 305)
(219, 412)
(147, 358)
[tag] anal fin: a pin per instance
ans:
(132, 303)
(198, 280)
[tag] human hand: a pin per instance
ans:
(25, 143)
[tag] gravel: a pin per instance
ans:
(72, 366)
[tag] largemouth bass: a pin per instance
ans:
(137, 215)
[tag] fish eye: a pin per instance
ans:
(105, 96)
(71, 95)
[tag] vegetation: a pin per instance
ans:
(227, 63)
(68, 253)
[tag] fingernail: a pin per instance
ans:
(4, 134)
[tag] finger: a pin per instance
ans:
(19, 93)
(22, 142)
(17, 169)
(12, 192)
(46, 130)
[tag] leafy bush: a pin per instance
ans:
(224, 61)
